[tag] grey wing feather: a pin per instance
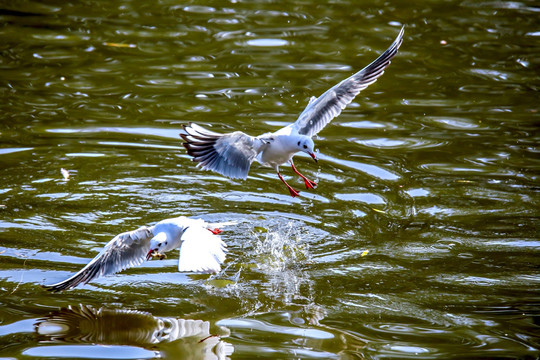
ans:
(320, 112)
(123, 251)
(227, 154)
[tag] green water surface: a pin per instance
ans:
(421, 240)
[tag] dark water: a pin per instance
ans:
(421, 240)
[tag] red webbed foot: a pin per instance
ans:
(294, 193)
(215, 231)
(309, 184)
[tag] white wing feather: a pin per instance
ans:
(201, 251)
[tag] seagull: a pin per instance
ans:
(201, 250)
(231, 154)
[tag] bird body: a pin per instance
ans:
(201, 250)
(232, 154)
(280, 148)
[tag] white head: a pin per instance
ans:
(167, 236)
(305, 144)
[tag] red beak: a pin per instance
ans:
(313, 156)
(149, 255)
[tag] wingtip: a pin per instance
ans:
(51, 288)
(399, 38)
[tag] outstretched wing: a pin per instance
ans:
(124, 251)
(321, 111)
(228, 154)
(201, 251)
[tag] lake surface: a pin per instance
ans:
(420, 241)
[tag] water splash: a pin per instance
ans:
(280, 247)
(271, 269)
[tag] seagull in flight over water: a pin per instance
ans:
(231, 154)
(201, 250)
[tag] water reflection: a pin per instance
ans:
(145, 335)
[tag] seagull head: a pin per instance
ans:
(167, 236)
(158, 244)
(305, 144)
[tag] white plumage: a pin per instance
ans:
(232, 154)
(201, 250)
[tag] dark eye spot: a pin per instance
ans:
(305, 146)
(299, 143)
(159, 244)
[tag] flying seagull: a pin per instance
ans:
(231, 154)
(201, 250)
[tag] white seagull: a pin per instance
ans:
(201, 250)
(232, 154)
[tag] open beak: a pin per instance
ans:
(313, 156)
(149, 255)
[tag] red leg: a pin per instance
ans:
(293, 192)
(215, 231)
(309, 184)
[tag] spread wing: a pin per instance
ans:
(321, 111)
(126, 250)
(201, 251)
(228, 154)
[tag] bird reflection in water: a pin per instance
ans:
(169, 337)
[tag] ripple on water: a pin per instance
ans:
(272, 33)
(367, 198)
(494, 75)
(464, 170)
(492, 89)
(509, 5)
(454, 123)
(90, 352)
(199, 9)
(252, 197)
(267, 42)
(369, 169)
(366, 124)
(261, 326)
(420, 192)
(395, 143)
(5, 151)
(143, 131)
(297, 66)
